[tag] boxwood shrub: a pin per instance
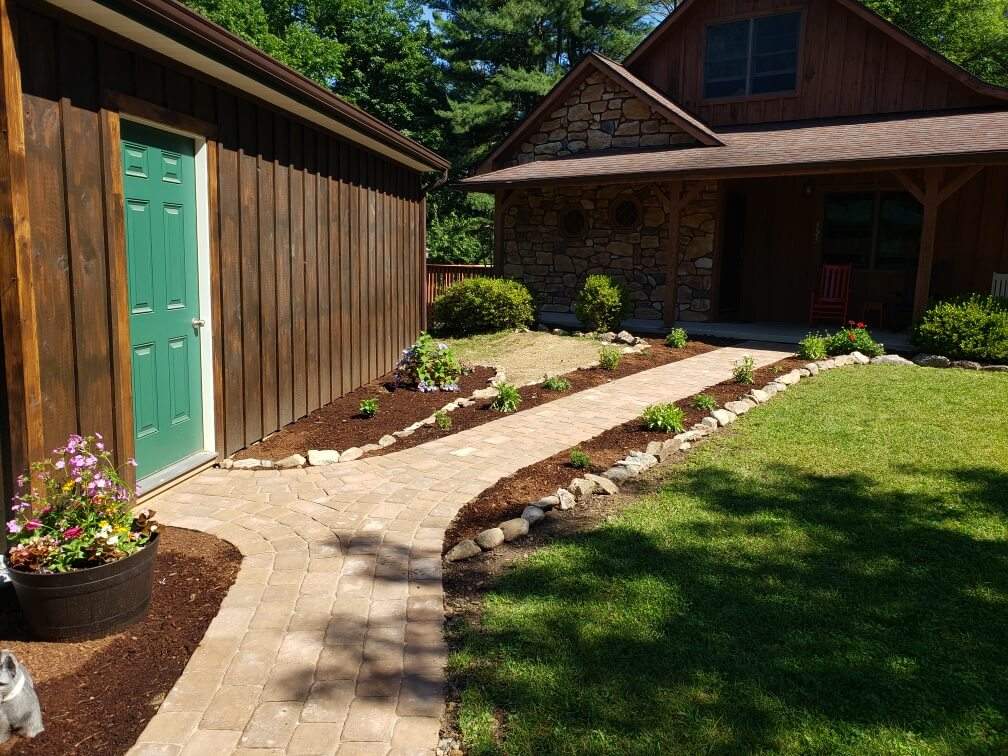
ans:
(601, 304)
(483, 305)
(966, 328)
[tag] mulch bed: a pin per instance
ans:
(509, 496)
(98, 695)
(339, 426)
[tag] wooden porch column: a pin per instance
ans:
(931, 201)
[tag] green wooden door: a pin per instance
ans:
(159, 181)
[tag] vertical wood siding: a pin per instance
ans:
(319, 241)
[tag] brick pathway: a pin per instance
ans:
(330, 639)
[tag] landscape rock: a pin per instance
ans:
(351, 454)
(690, 435)
(404, 432)
(603, 485)
(566, 499)
(789, 379)
(625, 337)
(741, 406)
(490, 538)
(558, 332)
(248, 464)
(464, 402)
(859, 358)
(813, 368)
(804, 372)
(484, 393)
(709, 423)
(996, 368)
(759, 396)
(654, 447)
(466, 549)
(932, 360)
(965, 364)
(533, 514)
(546, 503)
(777, 387)
(582, 488)
(843, 360)
(386, 440)
(617, 474)
(608, 337)
(515, 528)
(890, 359)
(368, 448)
(288, 463)
(724, 417)
(827, 364)
(643, 459)
(227, 463)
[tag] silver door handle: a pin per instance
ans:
(198, 322)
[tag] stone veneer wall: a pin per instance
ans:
(554, 266)
(600, 115)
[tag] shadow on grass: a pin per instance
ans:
(789, 613)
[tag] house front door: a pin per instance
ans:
(159, 182)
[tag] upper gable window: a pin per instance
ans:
(753, 56)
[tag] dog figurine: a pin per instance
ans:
(20, 713)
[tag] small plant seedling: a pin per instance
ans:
(676, 338)
(556, 383)
(579, 460)
(704, 402)
(667, 418)
(609, 357)
(507, 400)
(368, 408)
(744, 370)
(442, 420)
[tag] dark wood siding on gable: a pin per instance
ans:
(846, 67)
(309, 231)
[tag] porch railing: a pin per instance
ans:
(440, 277)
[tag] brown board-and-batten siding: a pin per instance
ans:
(316, 242)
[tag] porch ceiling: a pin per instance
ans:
(833, 146)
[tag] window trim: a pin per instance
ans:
(799, 53)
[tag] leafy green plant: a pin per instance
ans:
(853, 338)
(676, 338)
(483, 305)
(967, 328)
(813, 347)
(744, 370)
(602, 303)
(368, 408)
(442, 420)
(609, 357)
(508, 398)
(428, 365)
(666, 417)
(704, 402)
(579, 460)
(556, 383)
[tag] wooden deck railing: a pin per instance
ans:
(440, 277)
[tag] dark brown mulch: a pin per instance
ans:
(509, 496)
(98, 695)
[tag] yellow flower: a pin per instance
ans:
(103, 524)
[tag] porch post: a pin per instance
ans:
(931, 200)
(673, 208)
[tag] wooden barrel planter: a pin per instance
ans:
(87, 603)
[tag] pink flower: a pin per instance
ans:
(32, 525)
(13, 527)
(131, 462)
(71, 533)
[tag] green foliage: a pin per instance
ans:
(483, 305)
(853, 338)
(579, 460)
(704, 402)
(968, 328)
(667, 418)
(812, 347)
(744, 370)
(508, 398)
(609, 357)
(601, 304)
(368, 408)
(428, 365)
(556, 383)
(676, 338)
(442, 419)
(460, 228)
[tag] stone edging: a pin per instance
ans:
(939, 361)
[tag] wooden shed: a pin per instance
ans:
(199, 246)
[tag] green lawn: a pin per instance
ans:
(830, 578)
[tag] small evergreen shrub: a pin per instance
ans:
(704, 402)
(443, 420)
(744, 370)
(483, 305)
(667, 418)
(967, 328)
(579, 460)
(368, 408)
(609, 357)
(507, 399)
(556, 383)
(428, 365)
(853, 338)
(601, 304)
(676, 338)
(812, 347)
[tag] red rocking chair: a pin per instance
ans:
(831, 299)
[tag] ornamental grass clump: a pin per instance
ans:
(813, 347)
(507, 400)
(704, 402)
(78, 513)
(579, 460)
(428, 365)
(556, 383)
(609, 358)
(744, 371)
(666, 418)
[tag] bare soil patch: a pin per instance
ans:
(98, 695)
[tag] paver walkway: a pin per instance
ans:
(330, 640)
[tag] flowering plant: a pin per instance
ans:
(77, 515)
(428, 365)
(854, 337)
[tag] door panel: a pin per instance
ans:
(161, 256)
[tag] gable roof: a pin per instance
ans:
(871, 17)
(620, 75)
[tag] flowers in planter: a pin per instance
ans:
(429, 366)
(77, 515)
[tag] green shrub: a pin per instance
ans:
(443, 420)
(704, 402)
(853, 338)
(507, 399)
(368, 408)
(429, 366)
(579, 460)
(813, 347)
(601, 304)
(667, 418)
(483, 305)
(676, 338)
(744, 370)
(967, 328)
(556, 383)
(609, 357)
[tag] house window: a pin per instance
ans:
(753, 56)
(626, 214)
(573, 223)
(871, 230)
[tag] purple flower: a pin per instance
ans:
(59, 464)
(71, 533)
(13, 527)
